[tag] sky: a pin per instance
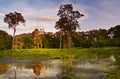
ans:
(43, 14)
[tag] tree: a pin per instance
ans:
(5, 40)
(38, 36)
(13, 19)
(114, 34)
(78, 41)
(28, 43)
(68, 21)
(49, 41)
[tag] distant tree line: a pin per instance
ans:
(41, 39)
(66, 37)
(5, 40)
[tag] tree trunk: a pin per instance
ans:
(69, 40)
(60, 46)
(60, 41)
(15, 74)
(13, 41)
(41, 45)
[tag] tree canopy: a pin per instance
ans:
(13, 19)
(67, 22)
(68, 18)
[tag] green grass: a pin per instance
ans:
(58, 53)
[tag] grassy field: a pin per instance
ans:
(58, 53)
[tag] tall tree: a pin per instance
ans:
(38, 36)
(13, 19)
(68, 21)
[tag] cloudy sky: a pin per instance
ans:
(43, 13)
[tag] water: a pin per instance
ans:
(55, 68)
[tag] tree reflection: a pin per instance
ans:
(4, 68)
(37, 68)
(67, 67)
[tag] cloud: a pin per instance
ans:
(35, 13)
(41, 18)
(107, 15)
(1, 14)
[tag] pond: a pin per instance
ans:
(55, 68)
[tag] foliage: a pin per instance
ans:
(114, 34)
(68, 21)
(13, 19)
(92, 38)
(5, 40)
(28, 43)
(87, 43)
(101, 42)
(78, 41)
(48, 41)
(38, 36)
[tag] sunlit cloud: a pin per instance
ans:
(41, 18)
(107, 15)
(1, 14)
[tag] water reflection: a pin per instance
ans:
(4, 68)
(57, 69)
(37, 68)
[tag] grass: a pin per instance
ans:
(58, 53)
